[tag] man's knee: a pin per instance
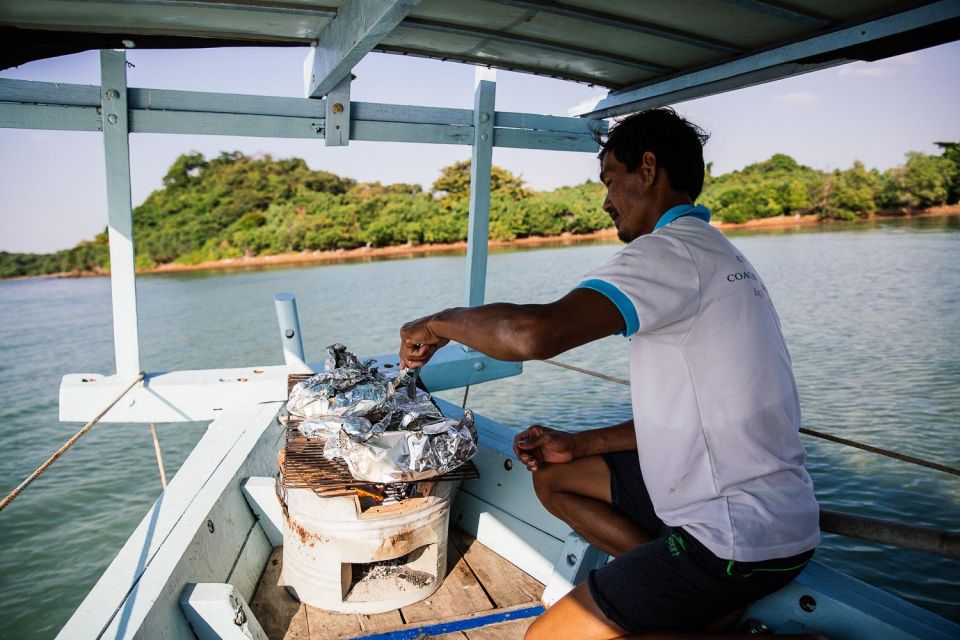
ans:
(545, 483)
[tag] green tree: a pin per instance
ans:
(454, 182)
(951, 153)
(852, 194)
(925, 180)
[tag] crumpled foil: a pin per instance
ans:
(350, 388)
(366, 418)
(339, 357)
(407, 456)
(322, 427)
(402, 412)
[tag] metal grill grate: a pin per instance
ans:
(303, 465)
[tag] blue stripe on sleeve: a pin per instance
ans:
(620, 299)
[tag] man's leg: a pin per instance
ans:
(578, 493)
(577, 617)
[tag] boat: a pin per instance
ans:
(204, 562)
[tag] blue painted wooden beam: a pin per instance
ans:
(403, 132)
(225, 124)
(517, 39)
(359, 26)
(811, 54)
(337, 124)
(43, 105)
(621, 22)
(781, 12)
(49, 117)
(550, 140)
(413, 114)
(454, 366)
(478, 229)
(116, 143)
(534, 121)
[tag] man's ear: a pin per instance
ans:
(648, 168)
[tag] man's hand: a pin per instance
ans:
(537, 445)
(418, 343)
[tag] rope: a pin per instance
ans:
(883, 452)
(156, 449)
(810, 432)
(69, 443)
(602, 376)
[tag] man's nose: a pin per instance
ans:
(607, 205)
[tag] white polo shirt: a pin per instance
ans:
(714, 400)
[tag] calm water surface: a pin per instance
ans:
(870, 315)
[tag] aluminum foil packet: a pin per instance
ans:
(368, 419)
(401, 412)
(329, 426)
(348, 388)
(438, 447)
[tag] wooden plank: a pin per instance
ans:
(459, 594)
(174, 396)
(513, 630)
(30, 91)
(260, 493)
(212, 608)
(380, 621)
(338, 114)
(451, 626)
(299, 627)
(504, 583)
(326, 624)
(226, 103)
(116, 146)
(275, 609)
(481, 163)
(547, 140)
(358, 27)
(514, 120)
(528, 547)
(224, 124)
(409, 114)
(374, 131)
(249, 567)
(49, 117)
(825, 49)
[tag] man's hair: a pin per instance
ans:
(676, 142)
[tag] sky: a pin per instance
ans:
(53, 194)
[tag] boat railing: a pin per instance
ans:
(917, 538)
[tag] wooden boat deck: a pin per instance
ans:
(478, 583)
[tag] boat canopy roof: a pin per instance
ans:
(646, 53)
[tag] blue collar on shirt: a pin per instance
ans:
(697, 211)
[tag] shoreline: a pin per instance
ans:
(367, 254)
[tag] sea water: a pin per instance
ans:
(870, 313)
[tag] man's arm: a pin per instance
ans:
(537, 445)
(619, 437)
(514, 332)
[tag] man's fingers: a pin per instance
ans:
(533, 442)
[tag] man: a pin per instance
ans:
(702, 498)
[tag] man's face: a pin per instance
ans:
(629, 196)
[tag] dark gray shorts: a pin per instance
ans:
(673, 581)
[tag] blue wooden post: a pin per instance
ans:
(290, 337)
(478, 231)
(338, 114)
(116, 142)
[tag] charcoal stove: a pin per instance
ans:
(359, 547)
